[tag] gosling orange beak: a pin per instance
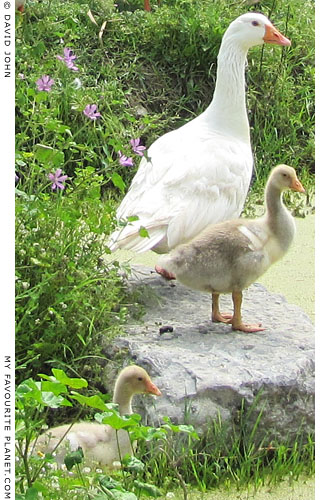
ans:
(152, 388)
(297, 186)
(272, 35)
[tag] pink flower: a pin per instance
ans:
(137, 147)
(92, 112)
(68, 58)
(57, 179)
(124, 160)
(45, 83)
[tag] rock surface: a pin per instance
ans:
(203, 368)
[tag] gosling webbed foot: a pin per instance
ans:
(248, 328)
(218, 317)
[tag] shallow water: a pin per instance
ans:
(304, 489)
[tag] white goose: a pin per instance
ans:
(200, 173)
(99, 441)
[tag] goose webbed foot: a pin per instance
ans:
(248, 328)
(221, 317)
(236, 322)
(217, 316)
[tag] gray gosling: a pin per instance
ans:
(230, 256)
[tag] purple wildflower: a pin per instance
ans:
(68, 58)
(45, 83)
(124, 160)
(137, 147)
(57, 179)
(91, 111)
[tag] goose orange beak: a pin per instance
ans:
(272, 35)
(152, 388)
(297, 186)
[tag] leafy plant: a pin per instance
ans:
(66, 297)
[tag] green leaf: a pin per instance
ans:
(143, 232)
(49, 399)
(31, 494)
(117, 421)
(148, 489)
(74, 458)
(30, 92)
(148, 433)
(25, 196)
(132, 464)
(32, 391)
(54, 387)
(110, 483)
(115, 489)
(91, 401)
(118, 181)
(49, 156)
(122, 495)
(75, 383)
(40, 487)
(41, 96)
(189, 429)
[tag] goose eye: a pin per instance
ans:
(255, 23)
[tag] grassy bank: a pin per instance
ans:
(85, 86)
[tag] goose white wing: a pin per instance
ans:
(193, 177)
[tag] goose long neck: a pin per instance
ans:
(279, 219)
(228, 106)
(123, 398)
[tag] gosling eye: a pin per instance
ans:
(255, 23)
(285, 175)
(140, 378)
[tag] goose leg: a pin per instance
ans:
(216, 315)
(237, 318)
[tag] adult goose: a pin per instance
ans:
(200, 173)
(229, 256)
(99, 441)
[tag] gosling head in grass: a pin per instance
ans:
(229, 256)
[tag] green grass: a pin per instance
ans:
(163, 65)
(148, 73)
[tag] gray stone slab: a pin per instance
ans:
(204, 368)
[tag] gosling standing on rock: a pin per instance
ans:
(229, 256)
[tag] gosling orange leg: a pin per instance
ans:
(237, 318)
(216, 315)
